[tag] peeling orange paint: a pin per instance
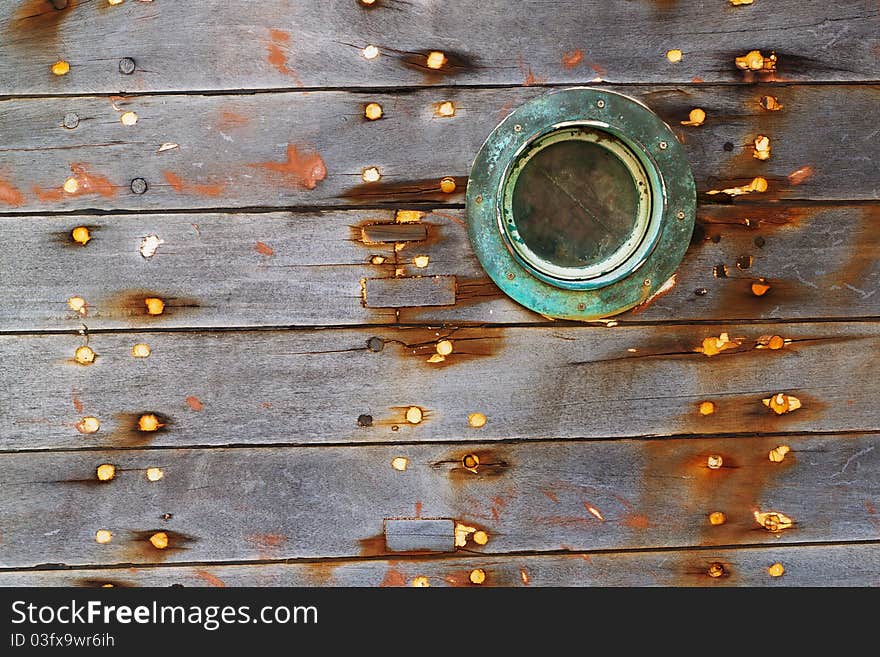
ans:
(10, 194)
(573, 58)
(264, 249)
(194, 403)
(182, 187)
(305, 169)
(277, 50)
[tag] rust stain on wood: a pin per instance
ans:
(467, 344)
(407, 190)
(139, 549)
(130, 305)
(128, 433)
(456, 63)
(393, 577)
(321, 572)
(180, 186)
(493, 463)
(42, 20)
(303, 167)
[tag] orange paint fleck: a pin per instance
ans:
(266, 404)
(800, 175)
(306, 169)
(524, 576)
(418, 509)
(194, 403)
(277, 53)
(77, 404)
(573, 58)
(393, 578)
(10, 195)
(213, 580)
(264, 249)
(697, 80)
(182, 187)
(599, 70)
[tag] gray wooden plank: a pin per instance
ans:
(802, 565)
(311, 149)
(419, 535)
(301, 269)
(387, 385)
(409, 291)
(236, 45)
(279, 503)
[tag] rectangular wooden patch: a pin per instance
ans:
(419, 535)
(410, 291)
(381, 233)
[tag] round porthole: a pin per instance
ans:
(581, 204)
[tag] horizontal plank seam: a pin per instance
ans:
(416, 205)
(597, 325)
(458, 554)
(451, 441)
(392, 89)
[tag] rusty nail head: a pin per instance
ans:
(582, 306)
(60, 4)
(647, 282)
(375, 344)
(126, 66)
(138, 186)
(479, 198)
(71, 120)
(680, 214)
(510, 275)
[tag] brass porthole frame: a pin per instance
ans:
(659, 251)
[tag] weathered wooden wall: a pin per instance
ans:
(299, 318)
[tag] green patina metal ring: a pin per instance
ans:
(581, 204)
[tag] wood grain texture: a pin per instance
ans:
(409, 291)
(335, 386)
(307, 269)
(804, 565)
(280, 503)
(286, 150)
(234, 45)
